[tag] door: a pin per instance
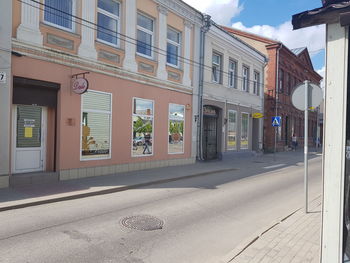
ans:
(29, 127)
(210, 137)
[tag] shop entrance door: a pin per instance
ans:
(210, 137)
(29, 132)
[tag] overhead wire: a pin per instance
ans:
(128, 39)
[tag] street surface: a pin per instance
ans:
(204, 218)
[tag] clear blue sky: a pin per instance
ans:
(275, 13)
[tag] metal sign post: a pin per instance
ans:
(306, 140)
(304, 96)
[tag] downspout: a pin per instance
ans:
(204, 29)
(276, 92)
(262, 94)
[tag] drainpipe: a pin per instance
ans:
(262, 94)
(276, 95)
(204, 29)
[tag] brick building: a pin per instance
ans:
(285, 70)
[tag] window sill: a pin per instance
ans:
(107, 44)
(60, 29)
(145, 57)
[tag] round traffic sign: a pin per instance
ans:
(315, 96)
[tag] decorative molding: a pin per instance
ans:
(188, 24)
(183, 10)
(162, 10)
(109, 56)
(174, 75)
(59, 41)
(146, 67)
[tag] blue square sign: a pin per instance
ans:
(276, 121)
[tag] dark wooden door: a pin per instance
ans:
(210, 137)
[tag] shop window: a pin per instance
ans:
(142, 127)
(145, 29)
(173, 47)
(96, 125)
(59, 13)
(108, 21)
(256, 84)
(176, 128)
(232, 73)
(232, 130)
(245, 81)
(217, 68)
(244, 131)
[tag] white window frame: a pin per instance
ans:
(113, 16)
(240, 140)
(146, 31)
(178, 45)
(256, 83)
(62, 27)
(233, 72)
(132, 126)
(218, 67)
(110, 128)
(245, 79)
(184, 120)
(228, 122)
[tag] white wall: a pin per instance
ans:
(5, 88)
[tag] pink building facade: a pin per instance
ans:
(137, 112)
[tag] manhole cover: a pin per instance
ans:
(142, 222)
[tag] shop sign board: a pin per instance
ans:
(257, 115)
(80, 85)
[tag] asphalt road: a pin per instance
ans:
(203, 218)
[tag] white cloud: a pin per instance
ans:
(322, 72)
(311, 37)
(221, 11)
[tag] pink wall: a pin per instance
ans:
(69, 106)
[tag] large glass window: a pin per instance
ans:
(59, 13)
(256, 88)
(244, 131)
(216, 67)
(232, 73)
(173, 47)
(108, 21)
(232, 130)
(245, 81)
(96, 125)
(142, 120)
(176, 128)
(145, 29)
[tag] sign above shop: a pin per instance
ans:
(80, 84)
(257, 115)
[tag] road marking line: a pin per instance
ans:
(274, 166)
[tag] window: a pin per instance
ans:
(232, 73)
(145, 30)
(173, 47)
(176, 128)
(244, 130)
(245, 82)
(288, 84)
(59, 13)
(216, 69)
(281, 81)
(232, 130)
(108, 21)
(96, 125)
(142, 120)
(256, 88)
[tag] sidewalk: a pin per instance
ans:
(84, 187)
(293, 239)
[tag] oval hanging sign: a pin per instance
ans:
(80, 85)
(257, 115)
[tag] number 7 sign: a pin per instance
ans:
(2, 77)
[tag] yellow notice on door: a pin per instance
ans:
(28, 132)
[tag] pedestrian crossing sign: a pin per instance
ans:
(276, 121)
